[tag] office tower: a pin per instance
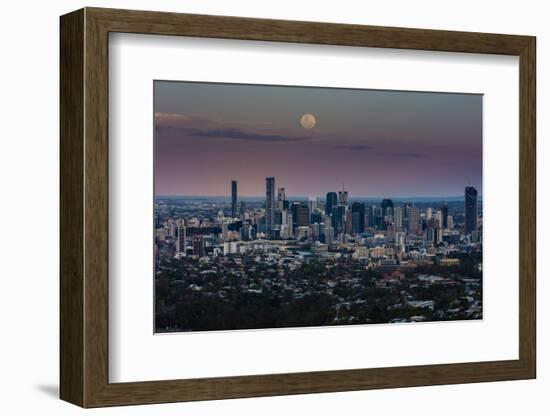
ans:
(173, 229)
(387, 208)
(348, 222)
(338, 213)
(316, 217)
(281, 198)
(343, 196)
(329, 234)
(398, 218)
(450, 222)
(444, 216)
(470, 209)
(428, 214)
(278, 217)
(358, 217)
(198, 246)
(414, 220)
(285, 231)
(180, 240)
(300, 214)
(269, 204)
(433, 231)
(406, 207)
(246, 232)
(242, 208)
(290, 223)
(312, 201)
(332, 201)
(284, 217)
(322, 228)
(233, 199)
(225, 231)
(372, 216)
(400, 241)
(315, 232)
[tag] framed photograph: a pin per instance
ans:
(255, 207)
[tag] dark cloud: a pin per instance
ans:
(239, 134)
(200, 126)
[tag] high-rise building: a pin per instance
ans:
(470, 209)
(373, 214)
(329, 234)
(338, 217)
(429, 214)
(233, 199)
(450, 222)
(312, 201)
(357, 217)
(281, 198)
(398, 218)
(198, 246)
(225, 231)
(444, 216)
(343, 197)
(332, 201)
(348, 222)
(433, 231)
(413, 214)
(180, 240)
(316, 216)
(300, 214)
(315, 231)
(387, 208)
(269, 204)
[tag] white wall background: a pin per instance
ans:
(29, 84)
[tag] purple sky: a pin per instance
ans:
(378, 143)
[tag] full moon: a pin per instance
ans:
(308, 121)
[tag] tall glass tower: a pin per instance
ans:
(233, 199)
(332, 201)
(269, 203)
(470, 209)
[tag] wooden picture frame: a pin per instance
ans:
(84, 207)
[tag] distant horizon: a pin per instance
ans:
(351, 197)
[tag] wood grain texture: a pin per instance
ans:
(84, 205)
(71, 99)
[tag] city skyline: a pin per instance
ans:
(378, 143)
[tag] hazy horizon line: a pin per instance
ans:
(319, 196)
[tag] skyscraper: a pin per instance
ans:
(429, 214)
(269, 204)
(414, 220)
(180, 239)
(470, 209)
(357, 217)
(198, 246)
(281, 198)
(444, 216)
(387, 208)
(338, 217)
(233, 199)
(343, 196)
(312, 201)
(332, 201)
(300, 214)
(398, 217)
(433, 231)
